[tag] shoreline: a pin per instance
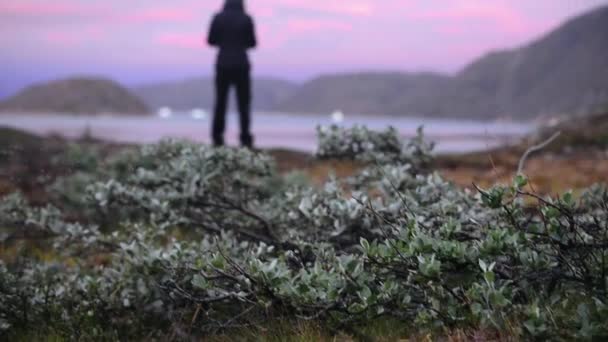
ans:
(551, 170)
(298, 134)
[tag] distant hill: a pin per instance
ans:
(199, 93)
(564, 72)
(363, 93)
(76, 96)
(589, 133)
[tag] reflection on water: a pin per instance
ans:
(271, 130)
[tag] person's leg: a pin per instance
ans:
(222, 85)
(243, 89)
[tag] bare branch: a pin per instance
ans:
(533, 149)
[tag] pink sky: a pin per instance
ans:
(141, 40)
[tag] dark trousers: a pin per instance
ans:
(239, 78)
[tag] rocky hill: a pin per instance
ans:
(76, 96)
(563, 72)
(363, 93)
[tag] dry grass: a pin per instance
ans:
(391, 331)
(548, 173)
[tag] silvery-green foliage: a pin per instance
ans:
(8, 299)
(179, 183)
(326, 214)
(46, 221)
(77, 157)
(391, 241)
(37, 291)
(67, 192)
(428, 200)
(361, 144)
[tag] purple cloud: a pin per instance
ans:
(298, 38)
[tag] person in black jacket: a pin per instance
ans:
(232, 31)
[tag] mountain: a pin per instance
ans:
(199, 93)
(364, 93)
(75, 96)
(564, 72)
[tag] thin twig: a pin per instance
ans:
(533, 149)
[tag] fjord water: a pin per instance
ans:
(272, 130)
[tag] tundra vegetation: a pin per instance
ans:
(175, 240)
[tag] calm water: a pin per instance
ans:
(271, 130)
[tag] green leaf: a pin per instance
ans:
(365, 293)
(483, 265)
(365, 244)
(218, 262)
(520, 181)
(476, 308)
(489, 277)
(200, 282)
(568, 198)
(498, 299)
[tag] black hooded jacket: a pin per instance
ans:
(232, 30)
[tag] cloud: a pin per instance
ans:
(156, 15)
(352, 8)
(182, 40)
(303, 26)
(307, 34)
(36, 8)
(71, 38)
(75, 11)
(492, 15)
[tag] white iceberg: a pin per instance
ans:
(337, 117)
(199, 114)
(165, 113)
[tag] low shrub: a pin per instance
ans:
(198, 241)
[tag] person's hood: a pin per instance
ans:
(234, 5)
